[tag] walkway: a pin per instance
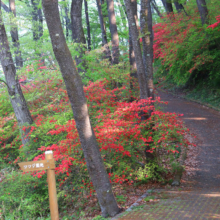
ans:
(203, 200)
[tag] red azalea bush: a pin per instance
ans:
(122, 136)
(186, 49)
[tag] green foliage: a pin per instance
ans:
(23, 197)
(188, 51)
(151, 171)
(148, 198)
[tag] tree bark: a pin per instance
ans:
(114, 31)
(147, 39)
(137, 51)
(203, 10)
(15, 93)
(35, 20)
(78, 103)
(133, 66)
(122, 14)
(104, 36)
(40, 23)
(168, 6)
(88, 25)
(14, 32)
(5, 7)
(78, 33)
(156, 8)
(67, 21)
(179, 7)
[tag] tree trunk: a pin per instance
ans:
(78, 33)
(114, 31)
(67, 21)
(88, 25)
(169, 6)
(147, 39)
(40, 23)
(15, 93)
(179, 7)
(137, 51)
(122, 14)
(35, 20)
(133, 66)
(14, 32)
(203, 10)
(104, 36)
(78, 103)
(156, 8)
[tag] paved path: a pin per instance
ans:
(203, 200)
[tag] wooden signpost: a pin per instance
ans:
(49, 165)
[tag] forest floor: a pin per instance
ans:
(198, 197)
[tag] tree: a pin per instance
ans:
(147, 39)
(37, 20)
(168, 6)
(179, 6)
(78, 103)
(154, 4)
(137, 51)
(87, 25)
(16, 96)
(78, 33)
(14, 32)
(103, 29)
(203, 10)
(114, 31)
(66, 18)
(133, 66)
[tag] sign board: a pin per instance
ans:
(49, 165)
(37, 165)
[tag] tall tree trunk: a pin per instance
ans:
(203, 10)
(14, 35)
(156, 8)
(137, 51)
(104, 36)
(133, 66)
(14, 32)
(35, 27)
(78, 103)
(78, 33)
(169, 6)
(88, 25)
(15, 93)
(67, 20)
(122, 14)
(179, 7)
(40, 23)
(147, 39)
(114, 31)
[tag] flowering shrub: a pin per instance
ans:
(123, 138)
(186, 49)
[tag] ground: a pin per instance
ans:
(198, 197)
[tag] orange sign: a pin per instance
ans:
(37, 165)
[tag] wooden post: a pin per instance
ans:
(52, 189)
